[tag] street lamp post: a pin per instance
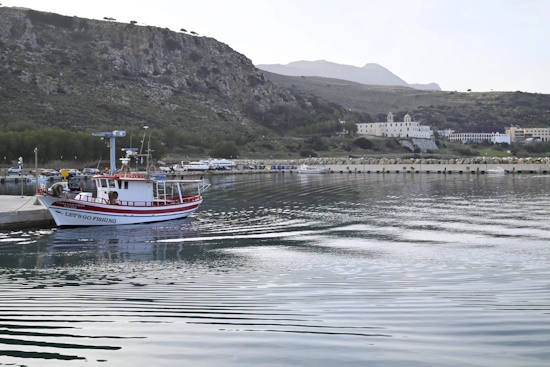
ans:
(36, 202)
(20, 161)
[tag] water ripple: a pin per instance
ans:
(285, 270)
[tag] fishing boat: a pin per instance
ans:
(123, 198)
(305, 169)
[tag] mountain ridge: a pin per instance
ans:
(369, 74)
(79, 73)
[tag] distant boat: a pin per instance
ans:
(305, 169)
(498, 171)
(192, 166)
(221, 164)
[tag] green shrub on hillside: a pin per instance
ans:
(226, 150)
(308, 153)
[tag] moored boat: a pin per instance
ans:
(125, 198)
(122, 198)
(304, 168)
(221, 164)
(192, 166)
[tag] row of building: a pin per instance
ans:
(412, 129)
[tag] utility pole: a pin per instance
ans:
(20, 162)
(36, 202)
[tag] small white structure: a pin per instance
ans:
(405, 129)
(494, 138)
(445, 133)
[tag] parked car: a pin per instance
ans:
(14, 170)
(49, 172)
(72, 171)
(91, 171)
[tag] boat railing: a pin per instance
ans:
(87, 199)
(95, 200)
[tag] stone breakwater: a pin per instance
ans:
(399, 161)
(474, 165)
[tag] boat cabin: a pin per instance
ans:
(137, 189)
(125, 188)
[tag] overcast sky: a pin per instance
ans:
(483, 45)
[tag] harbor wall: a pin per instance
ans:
(476, 165)
(437, 168)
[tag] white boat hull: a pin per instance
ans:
(305, 169)
(69, 212)
(313, 171)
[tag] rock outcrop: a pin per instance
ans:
(72, 72)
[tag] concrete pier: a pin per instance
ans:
(18, 212)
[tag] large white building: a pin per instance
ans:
(480, 137)
(531, 133)
(405, 129)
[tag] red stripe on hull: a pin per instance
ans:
(116, 209)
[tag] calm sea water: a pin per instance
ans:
(288, 270)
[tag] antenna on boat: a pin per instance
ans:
(143, 139)
(112, 135)
(147, 155)
(130, 152)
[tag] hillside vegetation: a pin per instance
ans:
(461, 111)
(62, 78)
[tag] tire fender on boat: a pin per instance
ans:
(57, 190)
(113, 195)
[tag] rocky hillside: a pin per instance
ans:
(370, 74)
(463, 112)
(79, 73)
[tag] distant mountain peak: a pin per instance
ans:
(370, 74)
(372, 65)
